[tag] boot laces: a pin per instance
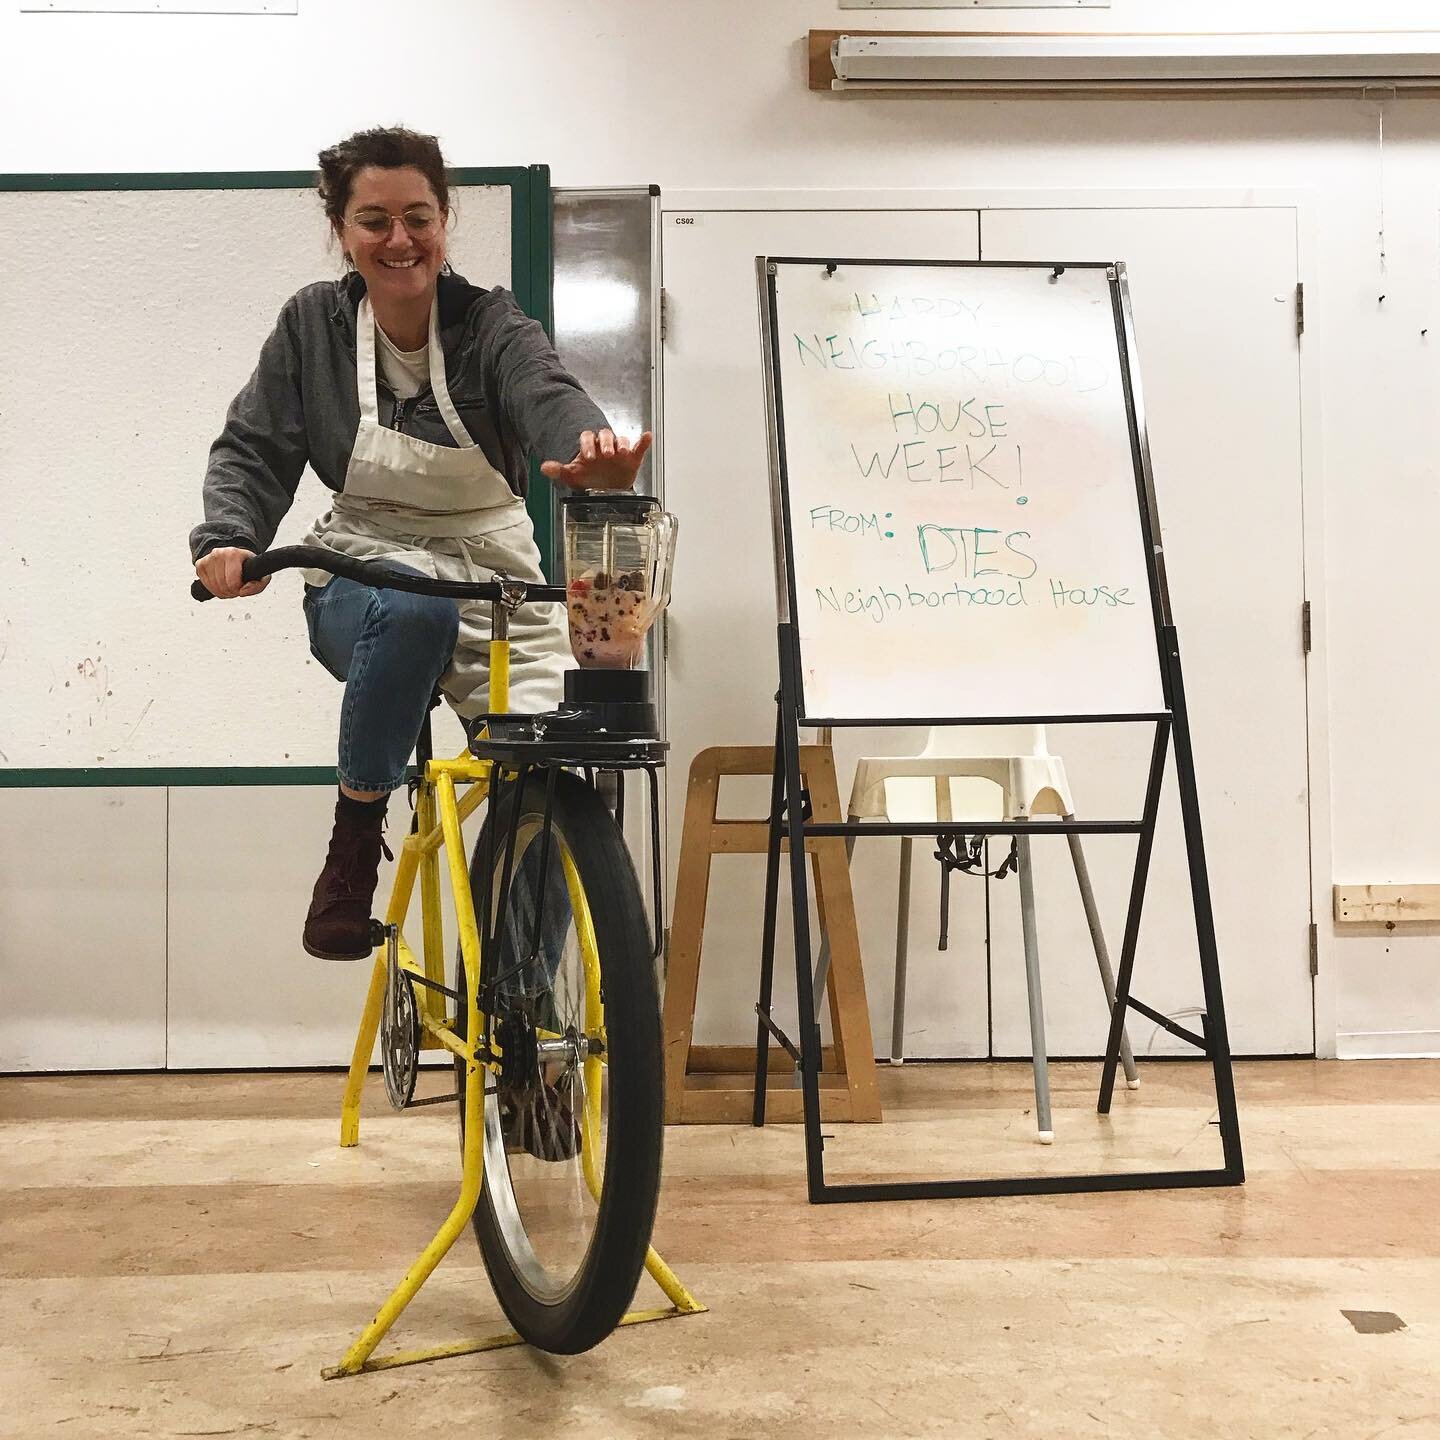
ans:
(352, 864)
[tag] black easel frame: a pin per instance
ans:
(789, 811)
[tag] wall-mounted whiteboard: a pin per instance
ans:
(132, 320)
(963, 514)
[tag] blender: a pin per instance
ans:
(619, 548)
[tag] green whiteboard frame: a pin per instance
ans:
(531, 280)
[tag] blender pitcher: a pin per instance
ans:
(619, 547)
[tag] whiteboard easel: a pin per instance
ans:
(878, 375)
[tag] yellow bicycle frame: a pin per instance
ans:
(439, 816)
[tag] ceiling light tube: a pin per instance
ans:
(1339, 60)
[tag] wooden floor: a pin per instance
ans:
(180, 1255)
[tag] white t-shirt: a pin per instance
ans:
(406, 372)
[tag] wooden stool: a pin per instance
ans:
(703, 1083)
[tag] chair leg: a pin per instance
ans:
(902, 956)
(1102, 953)
(1039, 1058)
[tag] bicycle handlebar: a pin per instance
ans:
(378, 574)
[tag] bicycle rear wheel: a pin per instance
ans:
(574, 1123)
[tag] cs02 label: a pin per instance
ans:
(687, 222)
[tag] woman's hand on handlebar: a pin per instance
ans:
(606, 461)
(219, 572)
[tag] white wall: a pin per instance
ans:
(696, 94)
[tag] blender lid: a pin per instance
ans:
(610, 504)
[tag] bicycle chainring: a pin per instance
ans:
(400, 1038)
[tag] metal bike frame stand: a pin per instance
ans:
(789, 818)
(438, 814)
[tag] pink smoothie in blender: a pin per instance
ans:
(618, 550)
(608, 618)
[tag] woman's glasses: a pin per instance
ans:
(376, 223)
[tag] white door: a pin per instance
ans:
(1213, 292)
(721, 662)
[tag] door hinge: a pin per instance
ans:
(664, 314)
(1314, 949)
(1306, 631)
(1299, 308)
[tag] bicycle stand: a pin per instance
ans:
(396, 964)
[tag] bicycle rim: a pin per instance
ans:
(573, 1121)
(546, 1130)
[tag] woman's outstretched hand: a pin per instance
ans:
(605, 462)
(219, 572)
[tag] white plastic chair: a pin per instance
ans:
(997, 773)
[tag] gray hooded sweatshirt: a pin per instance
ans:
(301, 404)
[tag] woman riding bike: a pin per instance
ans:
(416, 397)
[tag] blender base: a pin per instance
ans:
(607, 713)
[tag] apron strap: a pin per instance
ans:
(365, 362)
(448, 412)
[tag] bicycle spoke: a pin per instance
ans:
(545, 1146)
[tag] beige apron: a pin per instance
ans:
(448, 513)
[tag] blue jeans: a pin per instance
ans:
(389, 648)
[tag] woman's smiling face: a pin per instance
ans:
(394, 231)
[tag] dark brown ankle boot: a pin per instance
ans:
(337, 926)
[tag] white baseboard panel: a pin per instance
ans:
(1388, 1045)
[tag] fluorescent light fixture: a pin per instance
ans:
(1335, 60)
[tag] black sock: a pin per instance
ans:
(360, 809)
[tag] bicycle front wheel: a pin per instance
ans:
(574, 1121)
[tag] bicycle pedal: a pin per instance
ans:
(377, 934)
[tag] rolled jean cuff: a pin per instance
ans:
(383, 786)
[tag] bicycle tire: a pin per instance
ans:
(584, 1311)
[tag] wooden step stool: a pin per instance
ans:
(703, 1084)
